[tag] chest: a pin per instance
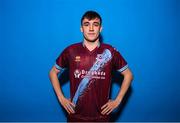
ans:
(100, 59)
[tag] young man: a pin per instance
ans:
(90, 65)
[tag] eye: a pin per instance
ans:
(86, 24)
(96, 24)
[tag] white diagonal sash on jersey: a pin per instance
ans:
(99, 63)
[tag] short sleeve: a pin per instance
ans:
(62, 61)
(119, 63)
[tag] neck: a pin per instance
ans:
(91, 45)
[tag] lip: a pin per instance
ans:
(91, 34)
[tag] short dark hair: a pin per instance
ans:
(91, 15)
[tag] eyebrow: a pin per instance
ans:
(97, 23)
(86, 23)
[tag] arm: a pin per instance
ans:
(67, 104)
(111, 105)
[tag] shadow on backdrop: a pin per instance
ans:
(101, 38)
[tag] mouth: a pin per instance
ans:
(91, 34)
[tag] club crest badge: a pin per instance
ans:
(77, 73)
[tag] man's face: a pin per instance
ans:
(91, 29)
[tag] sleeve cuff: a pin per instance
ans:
(58, 67)
(123, 68)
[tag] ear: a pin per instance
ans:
(81, 29)
(101, 28)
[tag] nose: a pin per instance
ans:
(91, 28)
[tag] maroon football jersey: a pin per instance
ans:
(90, 75)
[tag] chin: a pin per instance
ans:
(91, 40)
